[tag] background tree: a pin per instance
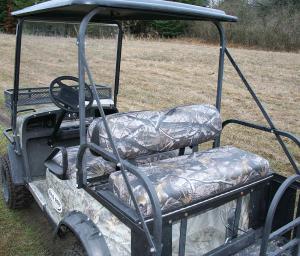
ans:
(7, 22)
(3, 13)
(162, 28)
(269, 24)
(175, 28)
(9, 25)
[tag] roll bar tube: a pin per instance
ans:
(220, 73)
(288, 135)
(155, 246)
(118, 64)
(267, 235)
(146, 183)
(265, 114)
(19, 31)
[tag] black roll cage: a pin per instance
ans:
(125, 167)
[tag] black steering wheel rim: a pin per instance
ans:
(70, 96)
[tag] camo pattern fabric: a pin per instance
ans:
(204, 232)
(117, 235)
(95, 166)
(147, 160)
(149, 132)
(211, 228)
(185, 179)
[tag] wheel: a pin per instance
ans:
(15, 196)
(68, 245)
(76, 250)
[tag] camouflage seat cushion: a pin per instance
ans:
(185, 179)
(149, 132)
(97, 166)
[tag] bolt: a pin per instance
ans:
(64, 229)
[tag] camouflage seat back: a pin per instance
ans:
(149, 132)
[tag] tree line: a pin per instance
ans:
(267, 24)
(7, 23)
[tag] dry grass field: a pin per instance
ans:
(159, 74)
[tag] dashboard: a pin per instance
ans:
(41, 122)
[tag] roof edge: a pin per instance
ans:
(159, 8)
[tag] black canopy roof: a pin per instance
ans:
(75, 10)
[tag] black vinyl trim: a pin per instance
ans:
(86, 232)
(56, 169)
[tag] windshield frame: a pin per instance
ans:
(18, 50)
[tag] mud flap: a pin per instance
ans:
(86, 232)
(17, 166)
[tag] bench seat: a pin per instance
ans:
(183, 180)
(152, 140)
(97, 166)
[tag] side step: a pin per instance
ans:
(38, 196)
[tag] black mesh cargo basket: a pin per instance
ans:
(40, 95)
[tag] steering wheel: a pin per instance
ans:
(66, 96)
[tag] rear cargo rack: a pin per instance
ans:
(40, 95)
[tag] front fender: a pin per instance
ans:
(16, 166)
(86, 232)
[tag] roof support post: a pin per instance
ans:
(155, 242)
(220, 73)
(16, 75)
(81, 74)
(118, 64)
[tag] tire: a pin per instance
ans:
(68, 245)
(15, 196)
(76, 250)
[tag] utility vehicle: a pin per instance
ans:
(136, 183)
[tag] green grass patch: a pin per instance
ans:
(17, 235)
(20, 230)
(3, 142)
